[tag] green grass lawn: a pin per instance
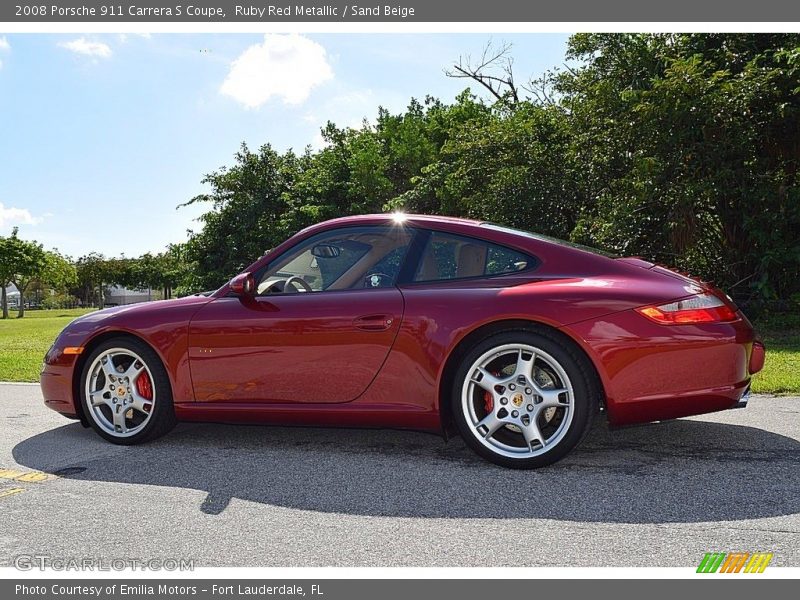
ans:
(23, 343)
(781, 374)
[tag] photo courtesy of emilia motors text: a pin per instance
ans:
(409, 299)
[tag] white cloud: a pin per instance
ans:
(284, 66)
(87, 48)
(16, 216)
(123, 37)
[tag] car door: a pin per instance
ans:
(320, 341)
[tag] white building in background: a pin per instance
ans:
(114, 296)
(118, 296)
(13, 296)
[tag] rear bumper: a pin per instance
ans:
(757, 357)
(653, 372)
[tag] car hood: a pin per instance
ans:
(140, 309)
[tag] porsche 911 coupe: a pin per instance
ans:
(515, 340)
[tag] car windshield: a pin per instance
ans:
(547, 238)
(349, 258)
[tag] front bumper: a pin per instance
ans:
(56, 381)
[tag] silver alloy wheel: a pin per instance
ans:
(114, 401)
(531, 404)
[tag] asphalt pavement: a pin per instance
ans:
(654, 495)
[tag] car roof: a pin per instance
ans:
(455, 225)
(423, 220)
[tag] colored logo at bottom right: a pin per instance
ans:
(734, 562)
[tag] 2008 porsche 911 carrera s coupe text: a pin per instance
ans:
(515, 340)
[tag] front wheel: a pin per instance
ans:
(126, 393)
(523, 400)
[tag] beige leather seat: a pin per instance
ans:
(471, 261)
(429, 270)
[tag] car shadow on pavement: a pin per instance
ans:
(671, 472)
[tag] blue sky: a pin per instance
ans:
(102, 136)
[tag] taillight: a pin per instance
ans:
(702, 308)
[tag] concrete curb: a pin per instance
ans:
(18, 383)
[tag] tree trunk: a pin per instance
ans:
(5, 302)
(101, 298)
(21, 287)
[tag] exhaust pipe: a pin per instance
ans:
(742, 403)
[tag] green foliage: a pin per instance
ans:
(163, 271)
(56, 301)
(251, 209)
(58, 273)
(22, 263)
(93, 275)
(694, 153)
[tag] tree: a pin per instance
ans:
(57, 276)
(494, 70)
(26, 264)
(164, 271)
(93, 277)
(688, 145)
(58, 273)
(250, 211)
(7, 266)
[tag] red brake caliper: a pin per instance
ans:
(144, 386)
(488, 402)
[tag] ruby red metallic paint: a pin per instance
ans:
(303, 359)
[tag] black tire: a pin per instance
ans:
(162, 418)
(585, 404)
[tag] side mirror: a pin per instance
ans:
(244, 284)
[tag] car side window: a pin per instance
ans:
(352, 258)
(448, 257)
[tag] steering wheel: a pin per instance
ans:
(373, 280)
(298, 283)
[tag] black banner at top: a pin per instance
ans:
(277, 11)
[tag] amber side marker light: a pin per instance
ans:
(702, 308)
(73, 350)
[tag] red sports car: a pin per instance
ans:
(516, 340)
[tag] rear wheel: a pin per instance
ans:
(126, 393)
(523, 399)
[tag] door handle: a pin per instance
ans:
(373, 322)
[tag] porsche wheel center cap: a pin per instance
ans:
(517, 399)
